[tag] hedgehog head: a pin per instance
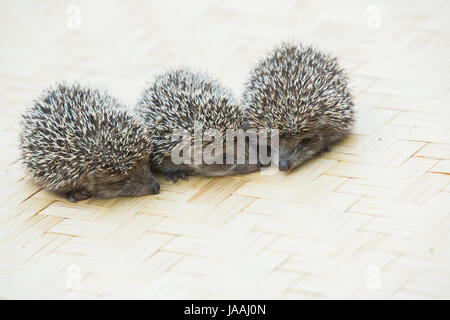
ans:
(136, 181)
(293, 151)
(80, 140)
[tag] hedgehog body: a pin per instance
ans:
(80, 142)
(303, 93)
(181, 100)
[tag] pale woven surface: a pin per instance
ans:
(370, 219)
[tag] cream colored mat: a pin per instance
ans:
(370, 219)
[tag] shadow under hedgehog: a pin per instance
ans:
(80, 142)
(178, 100)
(303, 93)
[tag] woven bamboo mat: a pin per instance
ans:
(370, 219)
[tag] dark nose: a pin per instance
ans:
(284, 165)
(155, 187)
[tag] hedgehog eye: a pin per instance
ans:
(304, 142)
(116, 183)
(115, 179)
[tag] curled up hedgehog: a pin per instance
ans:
(303, 93)
(80, 142)
(179, 100)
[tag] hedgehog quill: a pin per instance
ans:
(80, 142)
(303, 93)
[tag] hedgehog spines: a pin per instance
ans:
(299, 85)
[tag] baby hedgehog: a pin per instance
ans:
(303, 93)
(80, 142)
(182, 99)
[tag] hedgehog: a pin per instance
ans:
(80, 142)
(180, 99)
(303, 93)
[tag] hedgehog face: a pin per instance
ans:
(296, 150)
(137, 182)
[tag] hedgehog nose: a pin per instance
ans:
(284, 165)
(155, 188)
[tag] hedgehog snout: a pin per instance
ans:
(147, 187)
(284, 165)
(155, 187)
